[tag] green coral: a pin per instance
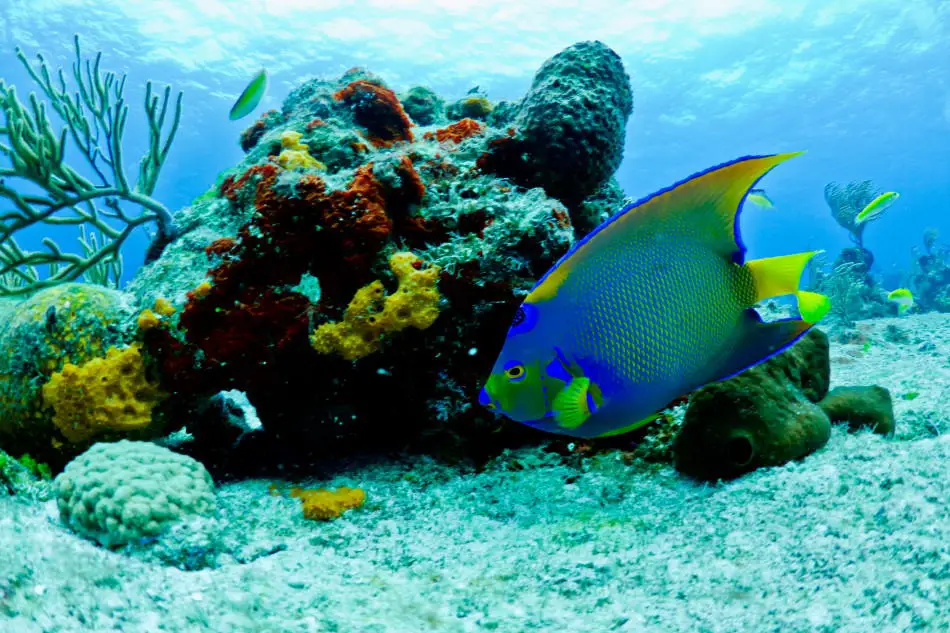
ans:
(95, 113)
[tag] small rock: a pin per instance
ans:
(861, 407)
(765, 416)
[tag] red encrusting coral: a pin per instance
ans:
(245, 319)
(315, 123)
(378, 110)
(253, 134)
(456, 132)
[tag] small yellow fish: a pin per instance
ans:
(759, 198)
(903, 298)
(250, 98)
(876, 207)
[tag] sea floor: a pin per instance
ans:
(855, 538)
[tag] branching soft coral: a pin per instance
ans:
(104, 394)
(371, 314)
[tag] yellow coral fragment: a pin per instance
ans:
(104, 394)
(371, 313)
(163, 307)
(323, 505)
(295, 155)
(148, 320)
(201, 290)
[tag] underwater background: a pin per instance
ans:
(862, 85)
(296, 406)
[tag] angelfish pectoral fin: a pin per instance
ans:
(574, 403)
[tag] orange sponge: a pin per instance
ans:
(322, 504)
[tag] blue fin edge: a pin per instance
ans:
(774, 353)
(738, 257)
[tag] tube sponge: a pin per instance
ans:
(117, 493)
(104, 394)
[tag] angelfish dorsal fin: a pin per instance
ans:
(704, 209)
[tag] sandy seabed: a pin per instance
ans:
(853, 539)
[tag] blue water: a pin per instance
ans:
(862, 85)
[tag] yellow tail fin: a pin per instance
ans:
(776, 276)
(812, 306)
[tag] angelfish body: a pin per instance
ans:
(250, 98)
(875, 208)
(653, 304)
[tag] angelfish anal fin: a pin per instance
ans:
(761, 341)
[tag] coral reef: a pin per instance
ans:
(569, 133)
(423, 105)
(102, 396)
(854, 293)
(324, 505)
(930, 279)
(275, 269)
(118, 493)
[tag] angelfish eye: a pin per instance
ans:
(515, 372)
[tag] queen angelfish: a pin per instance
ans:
(654, 303)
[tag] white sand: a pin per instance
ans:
(855, 538)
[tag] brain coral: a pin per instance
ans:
(117, 493)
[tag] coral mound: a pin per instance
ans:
(281, 274)
(570, 126)
(118, 493)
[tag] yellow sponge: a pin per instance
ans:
(103, 394)
(371, 313)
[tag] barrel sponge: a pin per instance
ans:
(118, 493)
(573, 120)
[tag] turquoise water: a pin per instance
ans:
(863, 86)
